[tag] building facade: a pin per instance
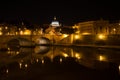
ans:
(98, 27)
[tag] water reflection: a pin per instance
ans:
(41, 49)
(25, 59)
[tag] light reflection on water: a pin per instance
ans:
(23, 59)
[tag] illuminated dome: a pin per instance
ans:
(55, 23)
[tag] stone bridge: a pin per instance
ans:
(25, 39)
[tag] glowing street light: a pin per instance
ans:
(65, 35)
(1, 33)
(65, 55)
(101, 37)
(27, 32)
(77, 56)
(102, 58)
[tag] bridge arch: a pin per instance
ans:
(42, 40)
(19, 42)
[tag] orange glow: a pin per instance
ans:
(102, 58)
(6, 27)
(42, 61)
(77, 36)
(65, 55)
(17, 52)
(77, 56)
(101, 37)
(21, 32)
(65, 35)
(86, 33)
(27, 32)
(1, 33)
(0, 28)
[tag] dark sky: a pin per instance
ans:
(67, 12)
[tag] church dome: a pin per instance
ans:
(55, 23)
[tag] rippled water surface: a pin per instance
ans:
(59, 63)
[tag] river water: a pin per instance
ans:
(59, 63)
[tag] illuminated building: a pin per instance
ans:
(93, 27)
(55, 23)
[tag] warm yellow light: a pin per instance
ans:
(86, 33)
(27, 32)
(37, 60)
(1, 33)
(6, 27)
(42, 61)
(119, 69)
(21, 32)
(75, 26)
(0, 28)
(26, 65)
(114, 29)
(17, 52)
(8, 33)
(7, 71)
(8, 49)
(65, 55)
(16, 33)
(77, 56)
(60, 59)
(101, 37)
(65, 35)
(20, 64)
(77, 36)
(102, 58)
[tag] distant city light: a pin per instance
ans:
(1, 33)
(26, 65)
(0, 28)
(65, 55)
(37, 60)
(20, 65)
(101, 37)
(27, 32)
(60, 59)
(86, 33)
(6, 27)
(77, 56)
(65, 35)
(21, 32)
(7, 71)
(42, 61)
(102, 58)
(77, 36)
(114, 29)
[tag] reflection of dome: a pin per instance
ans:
(41, 49)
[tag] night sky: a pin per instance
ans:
(67, 12)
